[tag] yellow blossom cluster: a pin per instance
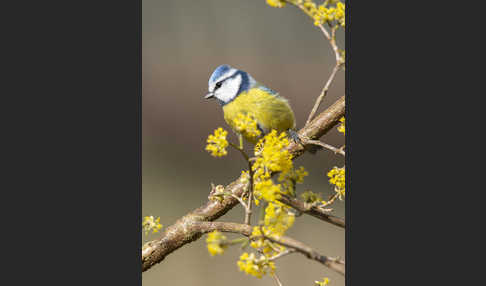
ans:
(278, 219)
(257, 267)
(272, 156)
(299, 174)
(246, 125)
(337, 178)
(245, 177)
(264, 188)
(267, 247)
(324, 282)
(149, 223)
(311, 197)
(217, 193)
(342, 128)
(340, 14)
(289, 180)
(215, 244)
(324, 13)
(321, 14)
(276, 3)
(217, 143)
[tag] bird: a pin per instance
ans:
(238, 92)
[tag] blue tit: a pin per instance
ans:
(237, 92)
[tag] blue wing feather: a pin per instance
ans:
(266, 89)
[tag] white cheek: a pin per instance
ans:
(229, 90)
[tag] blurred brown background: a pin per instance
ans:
(182, 43)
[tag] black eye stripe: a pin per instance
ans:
(218, 84)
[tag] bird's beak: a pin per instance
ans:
(209, 95)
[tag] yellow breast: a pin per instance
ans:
(270, 111)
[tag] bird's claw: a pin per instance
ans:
(295, 136)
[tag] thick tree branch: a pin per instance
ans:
(312, 210)
(185, 230)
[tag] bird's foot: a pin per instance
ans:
(301, 140)
(294, 136)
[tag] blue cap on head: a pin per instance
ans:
(218, 72)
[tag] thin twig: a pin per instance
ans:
(234, 241)
(327, 146)
(248, 209)
(334, 46)
(323, 92)
(274, 275)
(282, 254)
(250, 196)
(312, 210)
(240, 149)
(240, 200)
(331, 262)
(333, 198)
(325, 32)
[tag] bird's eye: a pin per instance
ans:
(218, 85)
